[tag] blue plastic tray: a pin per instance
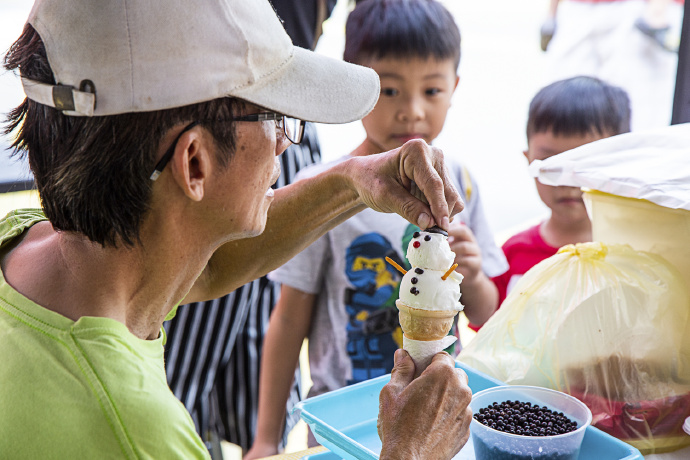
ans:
(344, 421)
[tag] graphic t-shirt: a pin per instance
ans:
(354, 331)
(82, 389)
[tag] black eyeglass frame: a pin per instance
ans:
(261, 116)
(266, 116)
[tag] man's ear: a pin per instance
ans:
(191, 164)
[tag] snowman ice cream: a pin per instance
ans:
(430, 291)
(425, 285)
(429, 297)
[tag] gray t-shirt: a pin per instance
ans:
(354, 332)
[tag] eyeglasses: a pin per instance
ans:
(293, 129)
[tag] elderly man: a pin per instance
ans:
(152, 130)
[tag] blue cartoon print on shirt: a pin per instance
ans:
(373, 331)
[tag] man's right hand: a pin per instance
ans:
(426, 417)
(412, 181)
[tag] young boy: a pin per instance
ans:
(340, 291)
(564, 115)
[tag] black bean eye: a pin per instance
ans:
(418, 271)
(415, 235)
(427, 238)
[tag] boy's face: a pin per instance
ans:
(414, 101)
(565, 202)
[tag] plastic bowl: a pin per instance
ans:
(490, 444)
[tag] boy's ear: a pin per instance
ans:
(191, 164)
(457, 80)
(526, 154)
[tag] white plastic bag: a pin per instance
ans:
(607, 324)
(652, 165)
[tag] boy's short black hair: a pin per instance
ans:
(401, 29)
(579, 106)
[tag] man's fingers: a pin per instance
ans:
(417, 193)
(453, 198)
(435, 192)
(465, 428)
(443, 358)
(461, 375)
(439, 361)
(455, 203)
(424, 166)
(412, 209)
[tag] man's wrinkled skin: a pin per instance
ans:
(427, 417)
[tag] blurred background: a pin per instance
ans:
(502, 66)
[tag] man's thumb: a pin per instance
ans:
(403, 370)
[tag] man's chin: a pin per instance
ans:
(256, 230)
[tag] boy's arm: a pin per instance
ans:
(479, 294)
(305, 210)
(289, 325)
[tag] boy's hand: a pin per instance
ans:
(479, 293)
(468, 256)
(411, 181)
(427, 417)
(259, 450)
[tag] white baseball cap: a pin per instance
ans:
(119, 56)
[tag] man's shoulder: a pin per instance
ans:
(15, 222)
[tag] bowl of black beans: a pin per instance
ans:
(527, 422)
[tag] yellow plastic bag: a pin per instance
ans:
(607, 324)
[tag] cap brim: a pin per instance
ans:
(314, 87)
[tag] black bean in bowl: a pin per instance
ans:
(524, 419)
(527, 410)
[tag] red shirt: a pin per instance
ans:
(523, 251)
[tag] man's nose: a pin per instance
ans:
(282, 142)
